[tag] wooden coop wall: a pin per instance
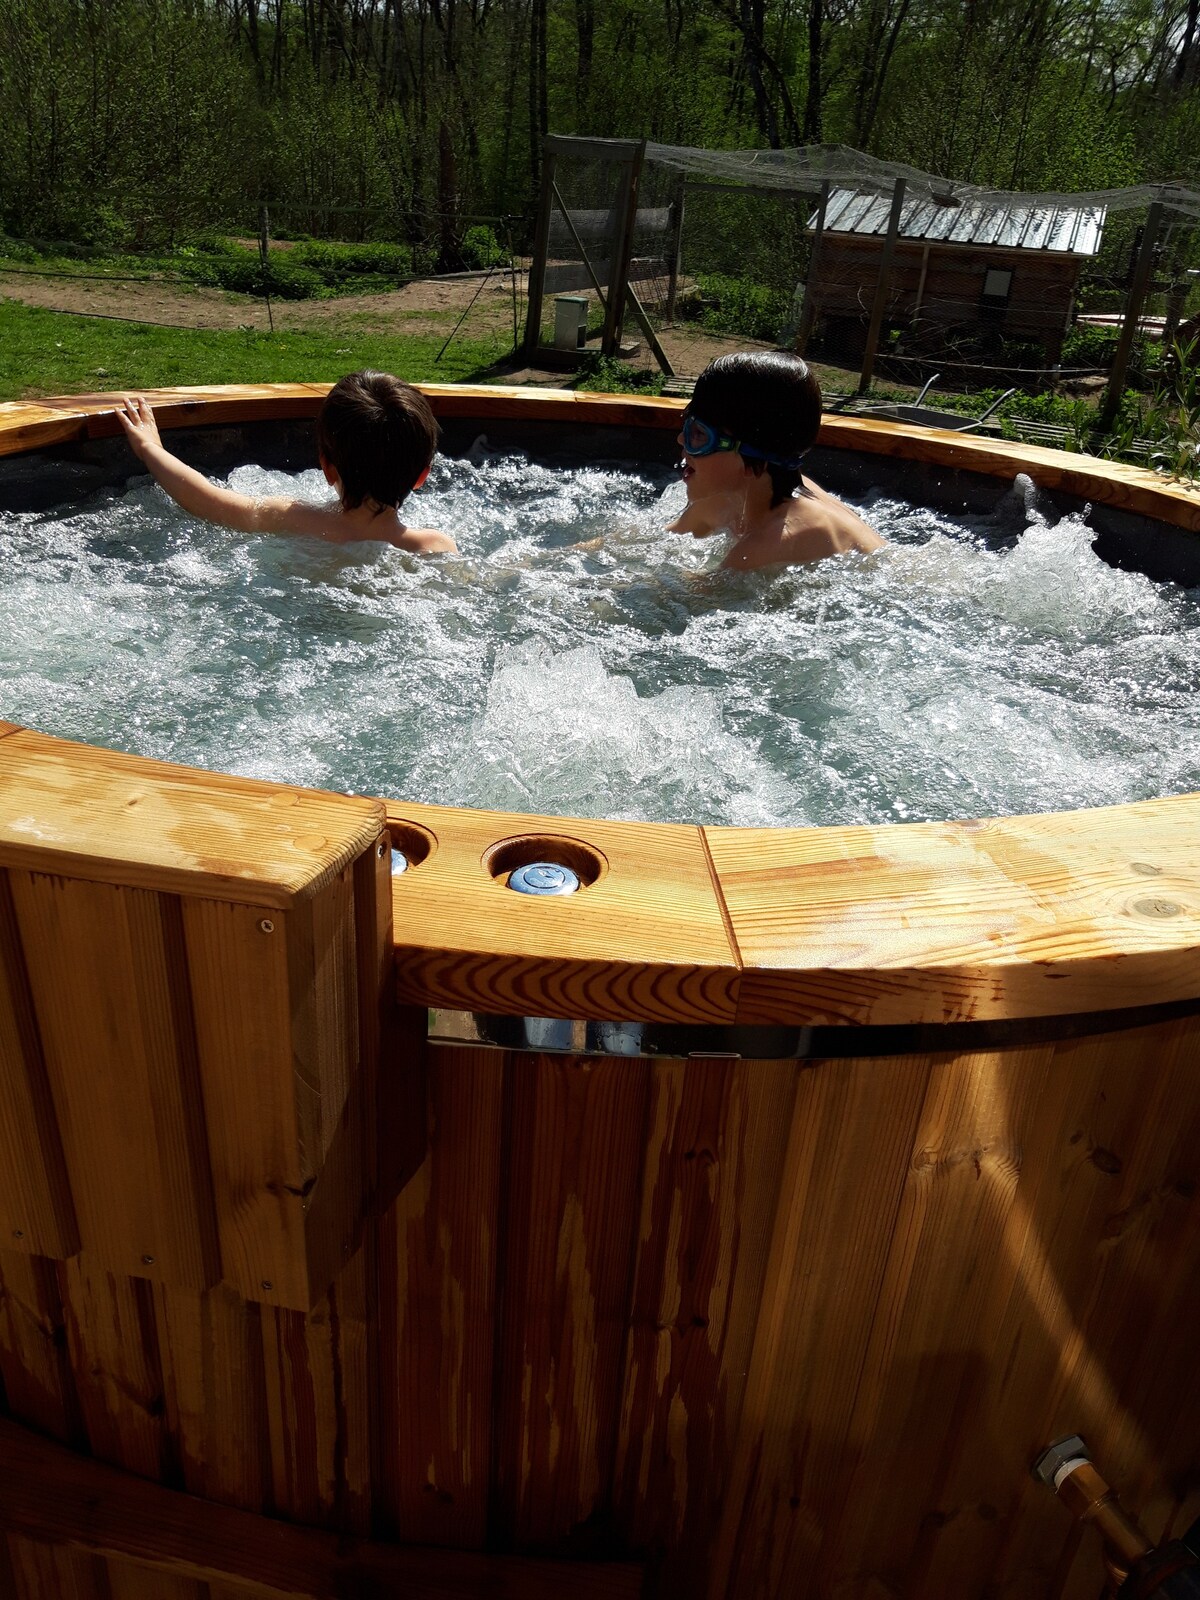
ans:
(944, 290)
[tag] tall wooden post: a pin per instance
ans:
(541, 246)
(618, 281)
(881, 288)
(808, 309)
(676, 260)
(1133, 311)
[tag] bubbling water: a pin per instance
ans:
(575, 659)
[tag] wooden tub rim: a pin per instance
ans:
(973, 920)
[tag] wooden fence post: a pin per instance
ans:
(618, 282)
(808, 309)
(1133, 312)
(541, 245)
(881, 288)
(676, 260)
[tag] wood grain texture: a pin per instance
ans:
(114, 1354)
(105, 969)
(130, 1580)
(930, 1337)
(716, 1137)
(436, 1333)
(31, 425)
(52, 1572)
(36, 1211)
(263, 1136)
(318, 1422)
(102, 815)
(213, 1394)
(1026, 1269)
(647, 939)
(57, 1498)
(570, 1199)
(1105, 1240)
(849, 1147)
(288, 1103)
(965, 921)
(35, 1365)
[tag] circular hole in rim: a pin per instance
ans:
(415, 843)
(584, 860)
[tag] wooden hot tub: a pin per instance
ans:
(301, 1296)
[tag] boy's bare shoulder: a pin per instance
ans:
(426, 541)
(816, 525)
(819, 520)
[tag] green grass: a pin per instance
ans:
(53, 352)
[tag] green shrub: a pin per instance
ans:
(608, 376)
(17, 250)
(481, 249)
(740, 306)
(1089, 347)
(242, 272)
(334, 264)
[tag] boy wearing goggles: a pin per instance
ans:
(752, 418)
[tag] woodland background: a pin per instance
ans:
(134, 124)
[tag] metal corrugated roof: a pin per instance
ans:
(1066, 230)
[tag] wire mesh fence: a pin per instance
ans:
(1081, 311)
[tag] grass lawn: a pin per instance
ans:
(53, 352)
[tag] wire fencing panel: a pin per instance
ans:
(741, 263)
(582, 247)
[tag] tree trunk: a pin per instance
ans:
(812, 101)
(448, 256)
(585, 31)
(539, 119)
(750, 20)
(1187, 62)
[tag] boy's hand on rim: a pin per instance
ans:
(136, 416)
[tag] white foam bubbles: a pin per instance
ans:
(576, 658)
(563, 726)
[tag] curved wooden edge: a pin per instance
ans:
(1022, 916)
(1033, 916)
(1037, 916)
(32, 425)
(104, 816)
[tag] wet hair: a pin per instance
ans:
(765, 398)
(378, 434)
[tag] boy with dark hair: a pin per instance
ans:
(376, 438)
(752, 418)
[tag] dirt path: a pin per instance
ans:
(426, 306)
(429, 306)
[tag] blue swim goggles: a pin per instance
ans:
(701, 440)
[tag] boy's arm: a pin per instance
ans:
(197, 495)
(188, 488)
